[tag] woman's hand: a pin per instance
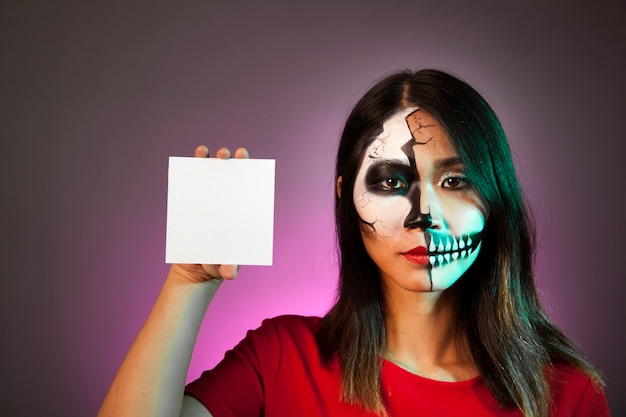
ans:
(202, 273)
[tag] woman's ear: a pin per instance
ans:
(339, 180)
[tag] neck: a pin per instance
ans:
(423, 338)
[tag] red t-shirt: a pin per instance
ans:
(276, 372)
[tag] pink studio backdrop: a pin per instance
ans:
(96, 97)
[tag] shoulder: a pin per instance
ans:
(566, 376)
(575, 391)
(271, 359)
(284, 345)
(285, 330)
(292, 323)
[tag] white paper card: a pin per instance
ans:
(220, 211)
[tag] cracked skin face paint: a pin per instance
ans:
(421, 220)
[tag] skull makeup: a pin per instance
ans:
(421, 221)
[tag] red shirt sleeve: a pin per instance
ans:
(575, 394)
(593, 402)
(279, 357)
(235, 386)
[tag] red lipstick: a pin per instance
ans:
(418, 255)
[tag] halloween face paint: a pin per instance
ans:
(421, 221)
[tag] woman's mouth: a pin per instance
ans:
(443, 250)
(418, 255)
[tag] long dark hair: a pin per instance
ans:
(510, 337)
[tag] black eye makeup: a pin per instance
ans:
(389, 178)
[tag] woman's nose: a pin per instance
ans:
(422, 221)
(420, 215)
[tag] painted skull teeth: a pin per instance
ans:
(446, 249)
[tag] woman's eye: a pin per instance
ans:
(389, 178)
(391, 184)
(454, 182)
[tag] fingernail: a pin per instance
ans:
(202, 151)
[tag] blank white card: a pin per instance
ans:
(220, 211)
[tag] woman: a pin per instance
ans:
(437, 313)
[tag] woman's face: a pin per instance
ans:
(421, 221)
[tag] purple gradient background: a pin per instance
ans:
(96, 97)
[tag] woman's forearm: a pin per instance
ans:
(151, 379)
